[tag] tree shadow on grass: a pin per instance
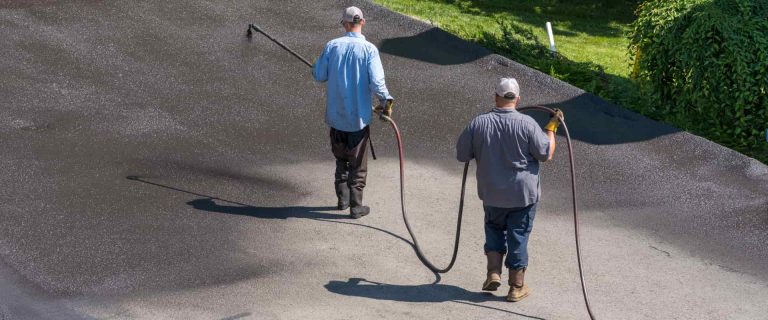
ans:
(593, 17)
(425, 293)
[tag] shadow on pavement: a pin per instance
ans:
(444, 48)
(208, 204)
(429, 293)
(598, 122)
(238, 316)
(7, 4)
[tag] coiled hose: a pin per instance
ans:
(417, 248)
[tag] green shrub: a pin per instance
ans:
(706, 64)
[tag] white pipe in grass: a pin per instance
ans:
(551, 38)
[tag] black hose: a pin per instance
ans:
(417, 248)
(575, 211)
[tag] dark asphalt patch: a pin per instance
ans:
(173, 92)
(445, 48)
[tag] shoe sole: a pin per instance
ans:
(492, 286)
(519, 298)
(358, 216)
(342, 207)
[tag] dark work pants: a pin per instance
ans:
(509, 229)
(350, 148)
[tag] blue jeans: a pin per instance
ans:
(509, 228)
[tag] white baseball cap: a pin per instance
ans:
(352, 14)
(508, 88)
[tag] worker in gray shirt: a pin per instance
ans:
(508, 147)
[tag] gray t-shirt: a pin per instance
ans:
(507, 146)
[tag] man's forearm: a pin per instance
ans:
(552, 143)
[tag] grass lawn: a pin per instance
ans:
(585, 31)
(589, 36)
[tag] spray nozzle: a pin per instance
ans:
(251, 28)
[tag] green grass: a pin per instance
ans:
(590, 36)
(585, 31)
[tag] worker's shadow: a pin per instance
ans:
(435, 292)
(208, 204)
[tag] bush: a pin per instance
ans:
(706, 64)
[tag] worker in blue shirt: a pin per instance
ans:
(352, 70)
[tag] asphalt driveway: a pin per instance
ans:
(157, 164)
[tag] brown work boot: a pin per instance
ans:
(518, 290)
(493, 280)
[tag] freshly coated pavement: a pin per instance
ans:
(156, 164)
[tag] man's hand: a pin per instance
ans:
(554, 123)
(385, 108)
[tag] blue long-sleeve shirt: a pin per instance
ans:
(352, 69)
